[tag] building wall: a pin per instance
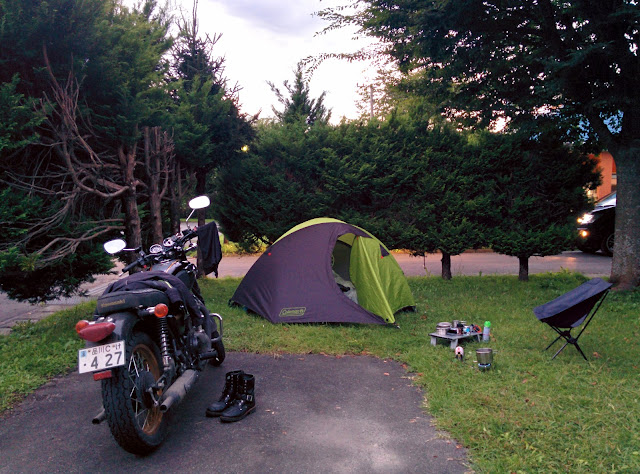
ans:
(608, 171)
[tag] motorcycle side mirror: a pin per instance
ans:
(114, 246)
(199, 202)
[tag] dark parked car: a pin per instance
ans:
(596, 228)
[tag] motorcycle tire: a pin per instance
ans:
(137, 425)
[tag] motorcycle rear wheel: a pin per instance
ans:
(137, 425)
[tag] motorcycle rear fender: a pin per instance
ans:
(125, 323)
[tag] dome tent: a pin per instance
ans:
(325, 270)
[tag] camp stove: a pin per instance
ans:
(485, 358)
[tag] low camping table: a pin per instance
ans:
(454, 338)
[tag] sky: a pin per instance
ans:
(263, 40)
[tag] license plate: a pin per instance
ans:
(102, 357)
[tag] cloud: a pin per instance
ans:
(292, 18)
(263, 40)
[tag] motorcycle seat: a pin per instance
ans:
(123, 300)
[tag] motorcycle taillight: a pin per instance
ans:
(94, 332)
(161, 310)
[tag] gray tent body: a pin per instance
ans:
(325, 270)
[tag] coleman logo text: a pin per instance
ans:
(291, 312)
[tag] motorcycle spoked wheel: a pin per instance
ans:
(137, 425)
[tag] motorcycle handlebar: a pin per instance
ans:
(186, 235)
(130, 266)
(189, 234)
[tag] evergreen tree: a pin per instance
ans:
(458, 185)
(210, 130)
(279, 182)
(194, 56)
(43, 226)
(275, 185)
(18, 118)
(417, 187)
(372, 176)
(539, 189)
(298, 105)
(97, 68)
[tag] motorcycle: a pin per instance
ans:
(150, 338)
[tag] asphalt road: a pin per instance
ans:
(469, 263)
(314, 414)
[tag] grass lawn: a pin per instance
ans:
(527, 414)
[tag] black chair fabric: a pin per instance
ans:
(572, 309)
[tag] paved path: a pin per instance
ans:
(314, 414)
(469, 263)
(490, 263)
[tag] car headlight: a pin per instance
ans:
(586, 218)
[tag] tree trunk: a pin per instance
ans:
(523, 273)
(152, 164)
(155, 211)
(176, 198)
(201, 181)
(174, 211)
(131, 220)
(446, 266)
(625, 268)
(132, 231)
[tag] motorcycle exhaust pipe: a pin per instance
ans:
(99, 418)
(178, 389)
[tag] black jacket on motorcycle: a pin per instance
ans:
(209, 244)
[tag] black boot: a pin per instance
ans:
(231, 383)
(245, 401)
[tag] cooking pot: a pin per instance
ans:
(441, 328)
(485, 357)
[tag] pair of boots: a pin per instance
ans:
(237, 399)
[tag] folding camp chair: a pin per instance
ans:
(571, 310)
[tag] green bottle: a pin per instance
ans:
(486, 330)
